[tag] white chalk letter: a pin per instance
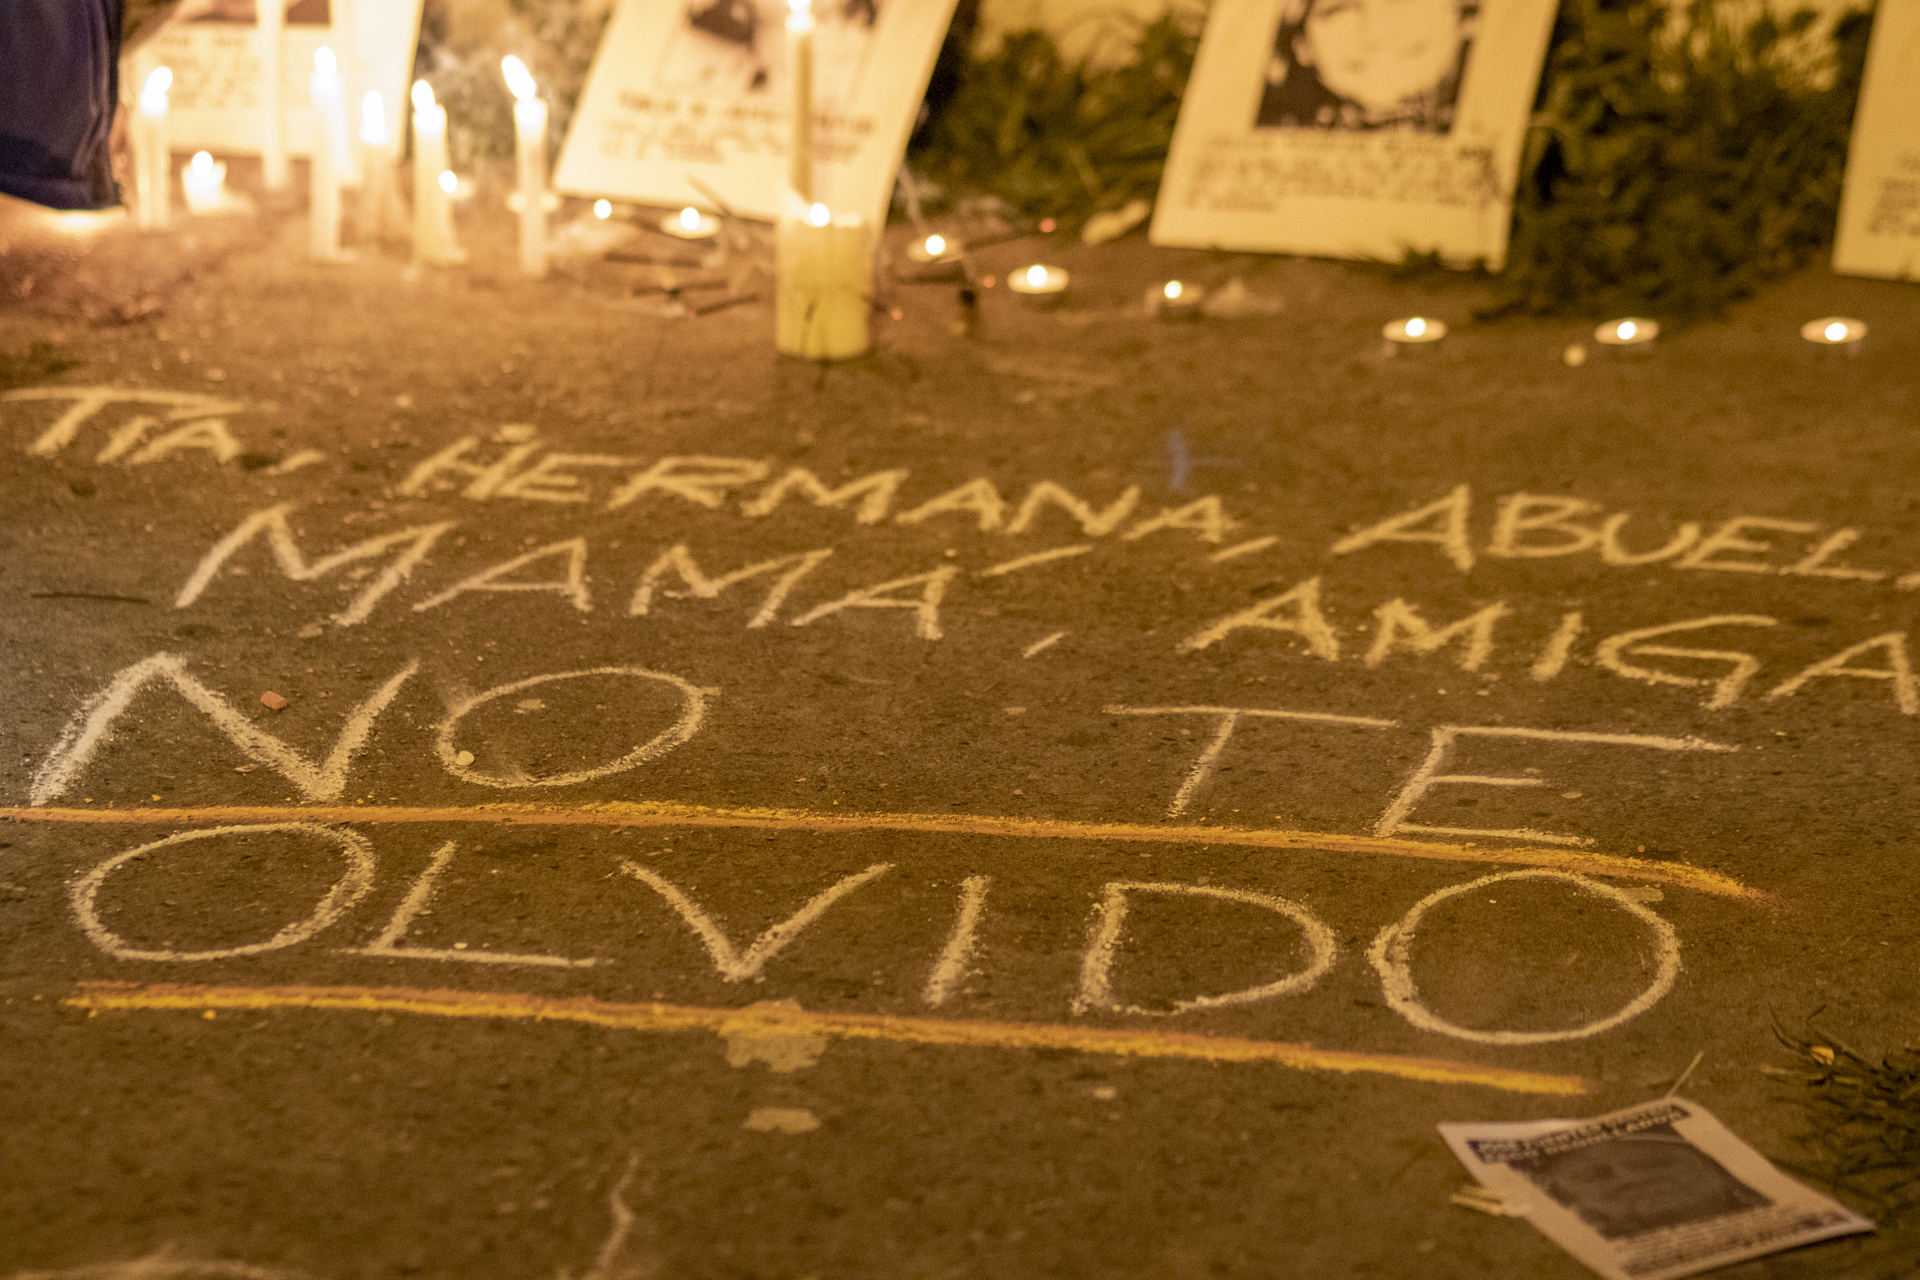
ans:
(1447, 518)
(347, 890)
(1401, 626)
(1296, 610)
(92, 724)
(1899, 670)
(1110, 917)
(1726, 689)
(693, 709)
(572, 588)
(926, 616)
(735, 965)
(1392, 958)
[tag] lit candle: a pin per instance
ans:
(204, 182)
(824, 285)
(800, 42)
(935, 248)
(433, 238)
(1175, 300)
(1040, 283)
(1414, 330)
(152, 163)
(323, 180)
(274, 169)
(530, 154)
(1631, 332)
(376, 181)
(690, 224)
(1835, 331)
(603, 209)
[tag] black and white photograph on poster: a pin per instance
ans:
(212, 48)
(1879, 232)
(1367, 64)
(696, 96)
(1355, 128)
(1654, 1192)
(740, 47)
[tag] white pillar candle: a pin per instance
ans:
(343, 15)
(433, 238)
(204, 182)
(800, 47)
(530, 156)
(376, 163)
(323, 180)
(274, 170)
(824, 285)
(152, 162)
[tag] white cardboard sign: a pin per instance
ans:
(699, 90)
(211, 46)
(1355, 128)
(1879, 232)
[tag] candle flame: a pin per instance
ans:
(373, 119)
(1626, 330)
(201, 166)
(1173, 289)
(153, 95)
(324, 63)
(519, 79)
(936, 245)
(1036, 276)
(449, 183)
(1416, 327)
(603, 208)
(422, 96)
(1836, 332)
(690, 218)
(819, 215)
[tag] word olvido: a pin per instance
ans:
(1390, 953)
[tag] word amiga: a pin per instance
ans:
(324, 780)
(957, 957)
(1399, 627)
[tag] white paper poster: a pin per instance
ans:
(210, 46)
(1655, 1192)
(1355, 128)
(1879, 231)
(699, 90)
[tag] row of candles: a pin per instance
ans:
(203, 181)
(1178, 299)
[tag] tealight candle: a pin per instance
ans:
(152, 162)
(530, 154)
(1631, 332)
(1038, 282)
(1175, 300)
(690, 224)
(433, 183)
(1414, 330)
(275, 172)
(934, 248)
(323, 182)
(824, 284)
(1835, 331)
(204, 183)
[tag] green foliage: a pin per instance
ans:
(1672, 167)
(1863, 1140)
(1061, 139)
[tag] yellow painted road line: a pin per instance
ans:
(657, 813)
(766, 1020)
